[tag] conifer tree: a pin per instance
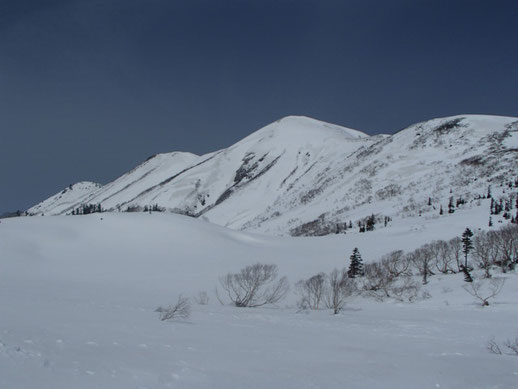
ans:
(451, 207)
(371, 221)
(467, 275)
(467, 244)
(356, 265)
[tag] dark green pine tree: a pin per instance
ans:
(467, 245)
(356, 266)
(467, 274)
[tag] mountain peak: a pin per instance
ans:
(302, 128)
(303, 176)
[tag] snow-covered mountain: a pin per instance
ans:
(301, 176)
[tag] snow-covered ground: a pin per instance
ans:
(78, 295)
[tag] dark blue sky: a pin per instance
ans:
(90, 88)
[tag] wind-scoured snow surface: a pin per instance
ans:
(300, 176)
(78, 295)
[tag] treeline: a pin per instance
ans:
(393, 276)
(145, 208)
(86, 209)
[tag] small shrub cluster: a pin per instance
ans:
(511, 345)
(326, 290)
(255, 286)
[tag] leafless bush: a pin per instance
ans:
(396, 263)
(485, 251)
(381, 284)
(424, 260)
(444, 261)
(493, 347)
(407, 289)
(512, 345)
(507, 241)
(377, 281)
(455, 252)
(484, 290)
(202, 298)
(180, 310)
(254, 286)
(312, 291)
(340, 287)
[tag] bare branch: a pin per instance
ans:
(180, 310)
(484, 291)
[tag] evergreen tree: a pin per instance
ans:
(490, 222)
(441, 211)
(467, 274)
(371, 221)
(451, 207)
(467, 245)
(356, 265)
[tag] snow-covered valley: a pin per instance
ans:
(78, 296)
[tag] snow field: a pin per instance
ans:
(78, 294)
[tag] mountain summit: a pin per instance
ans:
(301, 176)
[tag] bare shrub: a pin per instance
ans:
(340, 288)
(180, 310)
(380, 283)
(512, 345)
(485, 251)
(396, 263)
(507, 241)
(312, 291)
(377, 281)
(455, 252)
(202, 298)
(424, 260)
(407, 289)
(254, 286)
(444, 261)
(483, 290)
(493, 347)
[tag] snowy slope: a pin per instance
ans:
(301, 176)
(67, 198)
(78, 294)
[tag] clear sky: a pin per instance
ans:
(90, 88)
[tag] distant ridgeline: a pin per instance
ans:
(303, 177)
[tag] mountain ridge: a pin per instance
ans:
(301, 176)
